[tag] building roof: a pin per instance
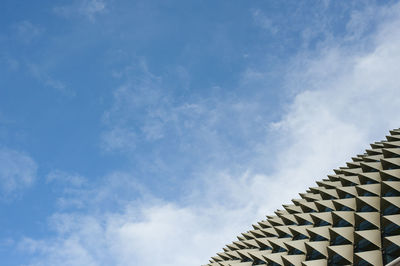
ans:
(351, 218)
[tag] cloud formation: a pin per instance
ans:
(58, 176)
(17, 173)
(26, 31)
(89, 9)
(40, 73)
(344, 95)
(264, 22)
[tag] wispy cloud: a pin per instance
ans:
(40, 73)
(141, 227)
(17, 173)
(118, 139)
(261, 20)
(26, 31)
(89, 9)
(58, 176)
(148, 111)
(9, 63)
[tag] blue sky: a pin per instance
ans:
(153, 132)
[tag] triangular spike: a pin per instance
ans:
(345, 204)
(269, 232)
(249, 263)
(391, 225)
(391, 144)
(299, 230)
(244, 253)
(320, 246)
(324, 205)
(345, 232)
(303, 218)
(295, 260)
(275, 258)
(321, 262)
(310, 196)
(391, 163)
(223, 255)
(263, 242)
(352, 171)
(289, 219)
(371, 166)
(258, 254)
(251, 243)
(344, 252)
(346, 192)
(293, 208)
(278, 243)
(283, 231)
(369, 190)
(372, 158)
(368, 204)
(363, 218)
(350, 180)
(322, 231)
(329, 194)
(233, 246)
(233, 254)
(373, 257)
(308, 207)
(392, 239)
(257, 233)
(391, 152)
(329, 184)
(353, 164)
(390, 205)
(390, 189)
(373, 236)
(265, 224)
(394, 132)
(297, 244)
(374, 151)
(346, 216)
(322, 218)
(390, 175)
(376, 145)
(335, 177)
(275, 221)
(368, 178)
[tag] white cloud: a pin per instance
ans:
(145, 112)
(26, 31)
(92, 7)
(40, 73)
(17, 173)
(346, 95)
(149, 233)
(118, 138)
(264, 22)
(58, 176)
(89, 9)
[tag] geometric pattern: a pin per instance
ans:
(350, 218)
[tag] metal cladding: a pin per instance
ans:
(350, 218)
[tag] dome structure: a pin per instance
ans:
(351, 217)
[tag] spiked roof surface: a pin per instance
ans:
(350, 218)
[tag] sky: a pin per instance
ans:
(154, 132)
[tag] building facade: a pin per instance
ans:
(350, 218)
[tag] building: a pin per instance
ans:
(350, 218)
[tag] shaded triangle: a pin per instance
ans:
(374, 258)
(340, 255)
